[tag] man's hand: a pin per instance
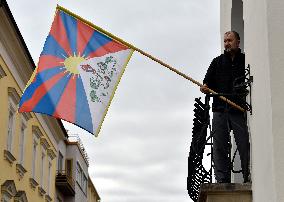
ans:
(204, 89)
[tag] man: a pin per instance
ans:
(224, 72)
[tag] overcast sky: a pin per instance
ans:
(141, 152)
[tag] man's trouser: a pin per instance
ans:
(223, 123)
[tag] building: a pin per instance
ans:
(260, 24)
(28, 142)
(93, 195)
(35, 150)
(72, 180)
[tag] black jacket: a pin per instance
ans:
(222, 75)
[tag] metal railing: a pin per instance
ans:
(201, 138)
(67, 175)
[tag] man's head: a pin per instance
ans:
(231, 41)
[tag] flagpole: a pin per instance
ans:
(147, 55)
(188, 78)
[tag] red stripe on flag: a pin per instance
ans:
(110, 47)
(49, 61)
(66, 107)
(59, 33)
(84, 34)
(40, 92)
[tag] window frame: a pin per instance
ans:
(22, 140)
(11, 123)
(81, 178)
(34, 154)
(49, 175)
(60, 162)
(42, 170)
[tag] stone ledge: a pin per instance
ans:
(223, 191)
(48, 198)
(8, 156)
(33, 183)
(41, 191)
(20, 170)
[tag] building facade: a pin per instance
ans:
(260, 24)
(72, 178)
(27, 141)
(93, 195)
(35, 150)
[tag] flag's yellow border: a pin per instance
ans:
(96, 27)
(31, 79)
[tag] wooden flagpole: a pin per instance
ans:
(147, 55)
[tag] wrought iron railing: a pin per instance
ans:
(197, 174)
(201, 138)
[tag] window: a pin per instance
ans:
(49, 175)
(22, 142)
(69, 167)
(8, 190)
(11, 119)
(60, 162)
(79, 172)
(42, 167)
(84, 183)
(81, 178)
(5, 198)
(34, 157)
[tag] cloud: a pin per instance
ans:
(141, 153)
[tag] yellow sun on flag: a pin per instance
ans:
(71, 64)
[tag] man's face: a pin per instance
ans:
(230, 42)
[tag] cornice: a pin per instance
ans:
(44, 143)
(37, 131)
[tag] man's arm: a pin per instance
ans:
(204, 89)
(209, 80)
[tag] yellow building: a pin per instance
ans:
(31, 145)
(27, 141)
(93, 195)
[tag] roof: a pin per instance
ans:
(91, 184)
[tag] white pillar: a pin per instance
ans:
(264, 44)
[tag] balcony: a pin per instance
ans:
(221, 192)
(65, 183)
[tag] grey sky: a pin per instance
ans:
(142, 149)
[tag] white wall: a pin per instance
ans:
(225, 18)
(73, 152)
(263, 34)
(256, 47)
(237, 23)
(275, 25)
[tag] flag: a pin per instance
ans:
(77, 73)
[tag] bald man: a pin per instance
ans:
(221, 76)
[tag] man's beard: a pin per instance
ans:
(228, 49)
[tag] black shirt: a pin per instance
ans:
(222, 74)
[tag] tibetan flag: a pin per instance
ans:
(77, 74)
